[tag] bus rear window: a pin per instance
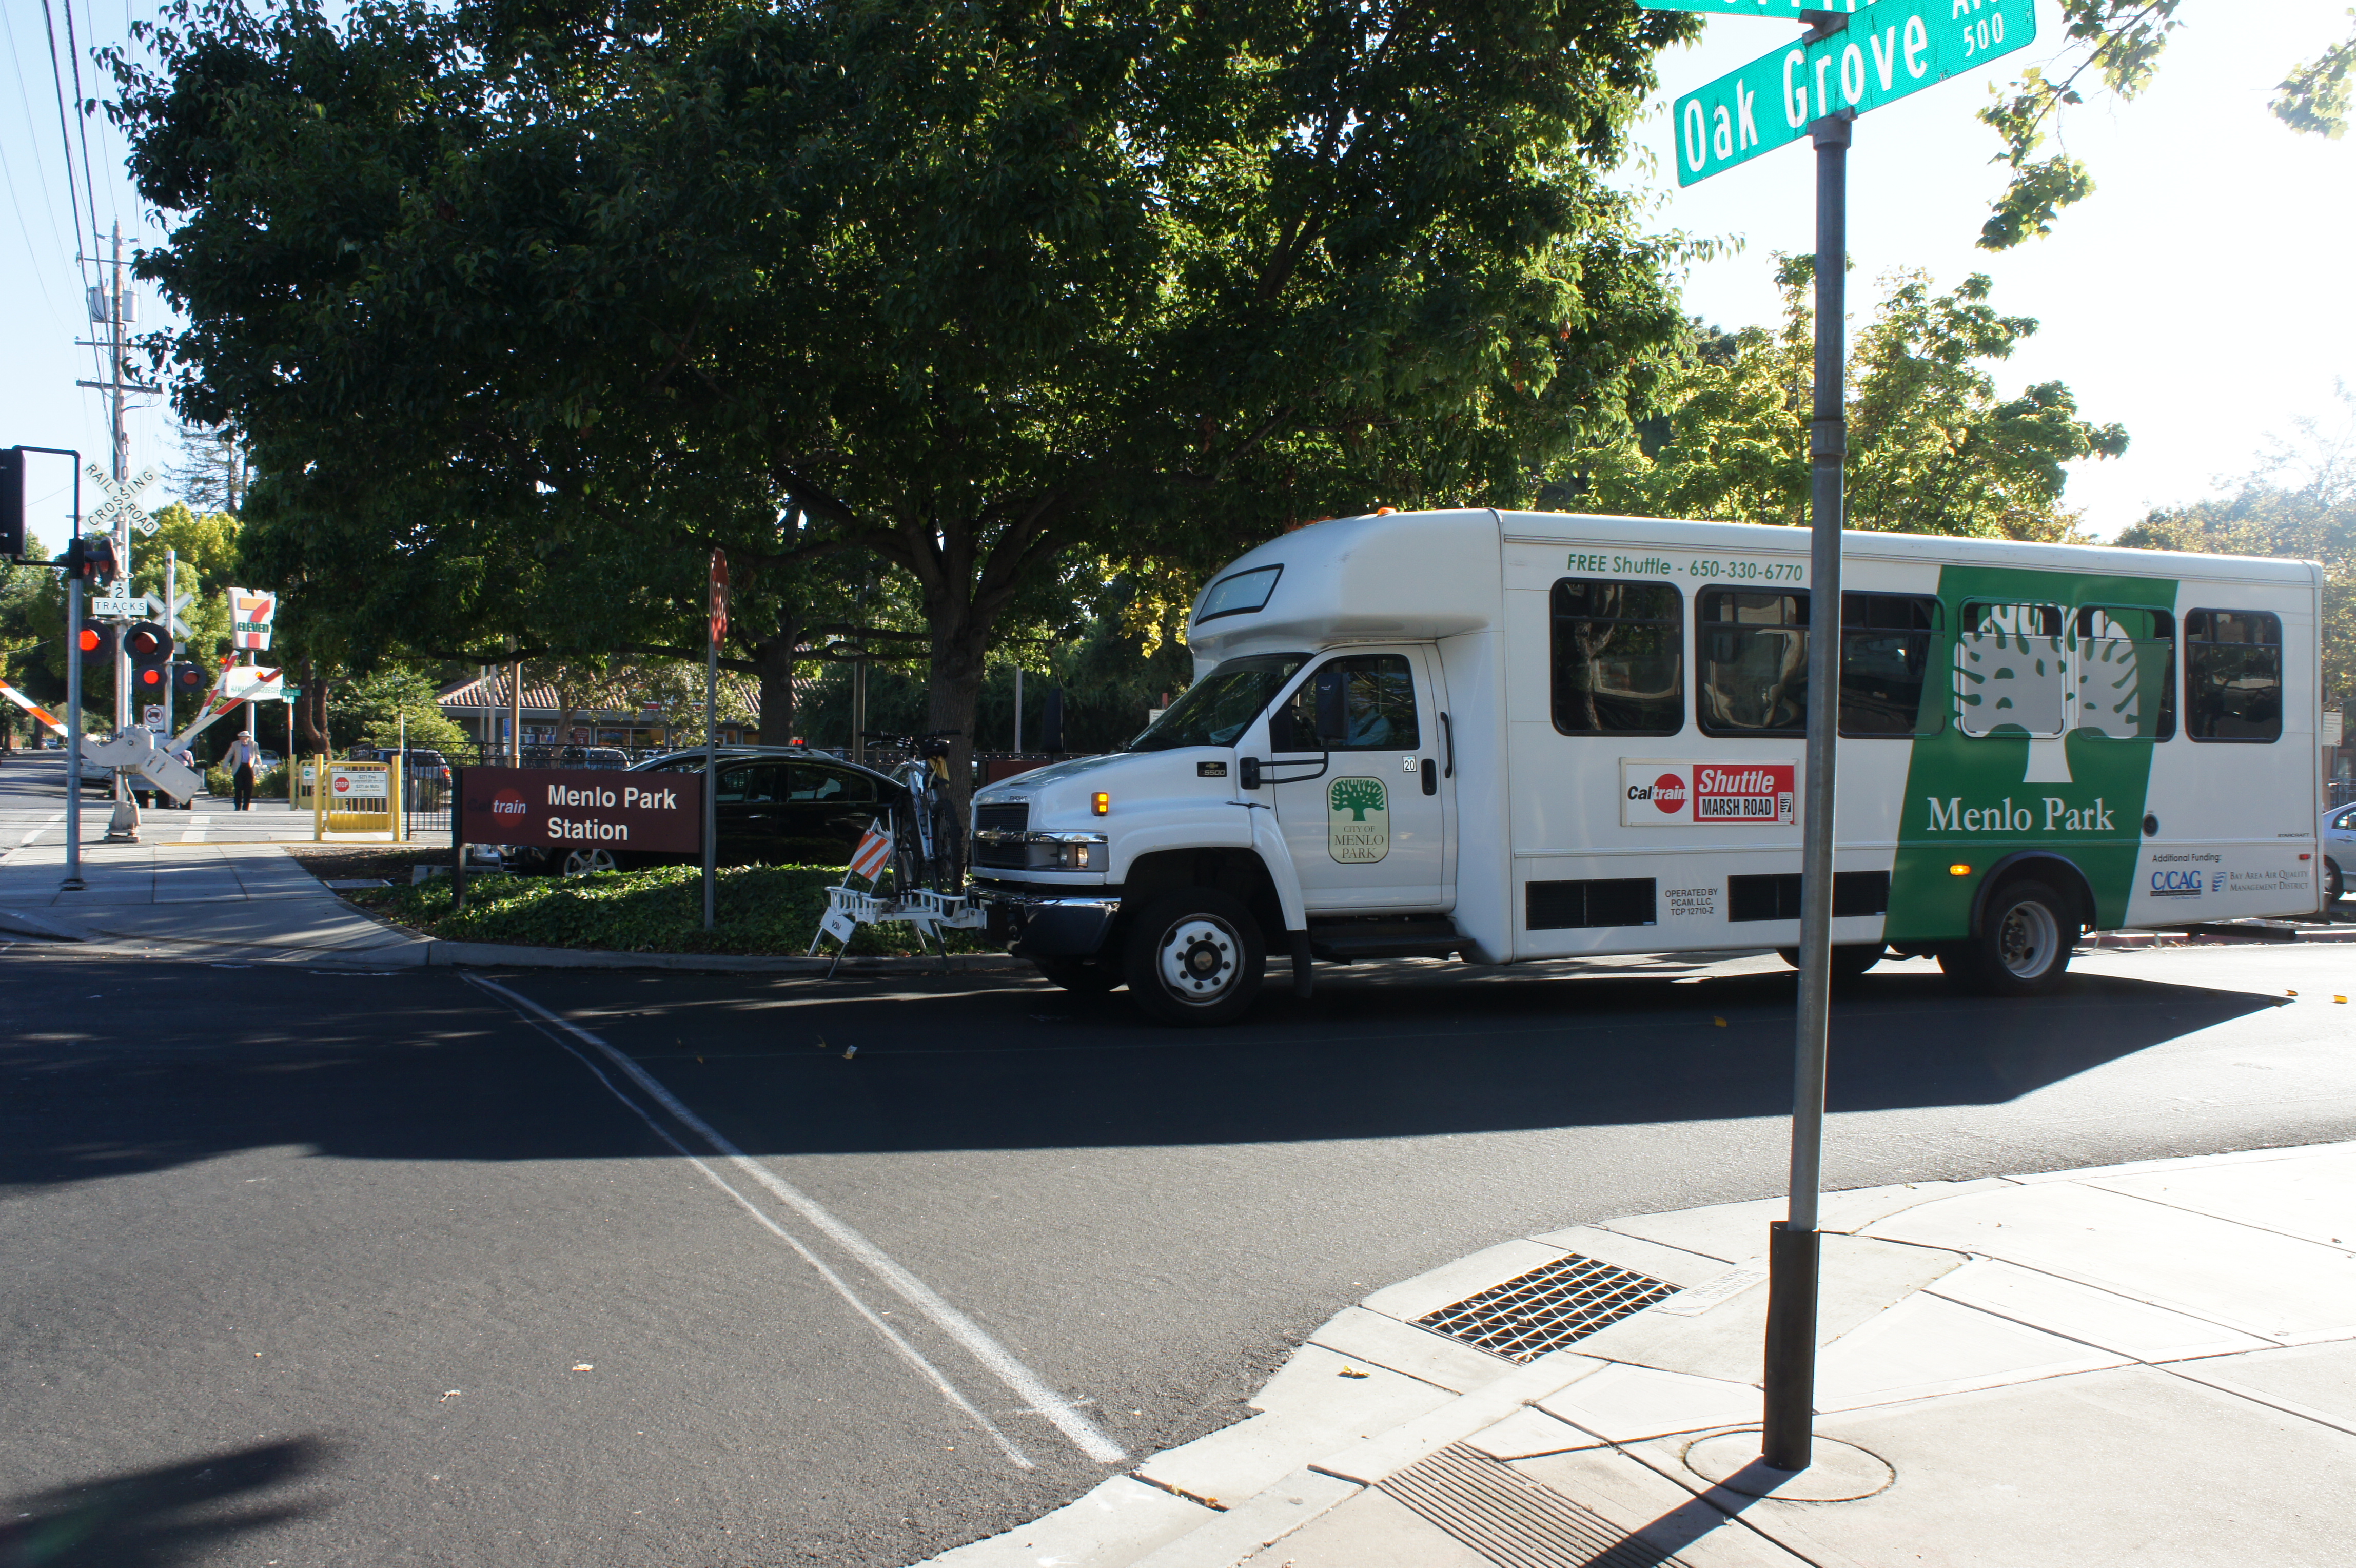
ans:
(2232, 675)
(2127, 672)
(1618, 652)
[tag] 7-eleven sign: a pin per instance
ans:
(250, 615)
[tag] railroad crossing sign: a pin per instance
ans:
(180, 602)
(1891, 50)
(122, 499)
(133, 607)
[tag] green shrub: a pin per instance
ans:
(758, 909)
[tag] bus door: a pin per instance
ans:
(1368, 829)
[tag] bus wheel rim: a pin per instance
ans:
(2027, 940)
(1198, 960)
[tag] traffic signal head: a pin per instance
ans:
(188, 680)
(149, 646)
(12, 502)
(97, 644)
(90, 556)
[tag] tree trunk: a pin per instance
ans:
(960, 638)
(774, 659)
(311, 711)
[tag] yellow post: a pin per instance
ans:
(392, 793)
(319, 799)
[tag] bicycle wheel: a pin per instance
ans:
(949, 846)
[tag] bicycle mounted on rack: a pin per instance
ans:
(927, 856)
(928, 850)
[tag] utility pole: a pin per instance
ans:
(114, 305)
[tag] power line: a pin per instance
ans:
(73, 57)
(65, 134)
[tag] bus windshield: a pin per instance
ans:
(1215, 709)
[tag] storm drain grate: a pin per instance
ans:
(1547, 1308)
(1514, 1522)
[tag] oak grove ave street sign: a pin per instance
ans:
(1887, 51)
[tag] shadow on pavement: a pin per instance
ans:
(426, 1067)
(151, 1519)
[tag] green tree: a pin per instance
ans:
(2300, 503)
(2119, 44)
(523, 308)
(1933, 447)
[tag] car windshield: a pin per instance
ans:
(1215, 709)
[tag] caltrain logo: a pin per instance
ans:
(1668, 792)
(507, 803)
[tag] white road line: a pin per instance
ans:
(1026, 1384)
(908, 1352)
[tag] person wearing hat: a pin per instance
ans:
(239, 762)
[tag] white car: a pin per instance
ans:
(2338, 830)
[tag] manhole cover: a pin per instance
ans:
(1547, 1308)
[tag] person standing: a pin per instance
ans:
(240, 760)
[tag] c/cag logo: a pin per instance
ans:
(2176, 884)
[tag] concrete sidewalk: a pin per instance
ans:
(2143, 1364)
(239, 895)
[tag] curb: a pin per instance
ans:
(505, 955)
(1373, 1392)
(24, 925)
(434, 952)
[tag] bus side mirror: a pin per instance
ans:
(1332, 713)
(1247, 772)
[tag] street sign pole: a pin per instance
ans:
(1855, 57)
(1787, 1439)
(72, 884)
(716, 628)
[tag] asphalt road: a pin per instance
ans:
(310, 1267)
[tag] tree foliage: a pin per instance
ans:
(524, 307)
(1933, 447)
(2119, 44)
(2300, 502)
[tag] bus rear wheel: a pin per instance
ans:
(1194, 957)
(2023, 945)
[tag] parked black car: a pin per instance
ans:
(776, 805)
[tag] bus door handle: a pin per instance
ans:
(1448, 734)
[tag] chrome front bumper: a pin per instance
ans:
(1048, 924)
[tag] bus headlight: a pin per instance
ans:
(1065, 852)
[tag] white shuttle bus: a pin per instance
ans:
(1511, 736)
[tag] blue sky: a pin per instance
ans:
(2201, 296)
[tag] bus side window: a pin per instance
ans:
(1618, 656)
(2232, 675)
(1885, 649)
(1752, 653)
(2127, 672)
(2011, 670)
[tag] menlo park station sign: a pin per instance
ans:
(569, 809)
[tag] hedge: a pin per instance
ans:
(756, 909)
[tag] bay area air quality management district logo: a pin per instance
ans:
(1357, 821)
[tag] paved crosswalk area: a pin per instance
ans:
(33, 812)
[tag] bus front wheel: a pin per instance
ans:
(1194, 957)
(2023, 945)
